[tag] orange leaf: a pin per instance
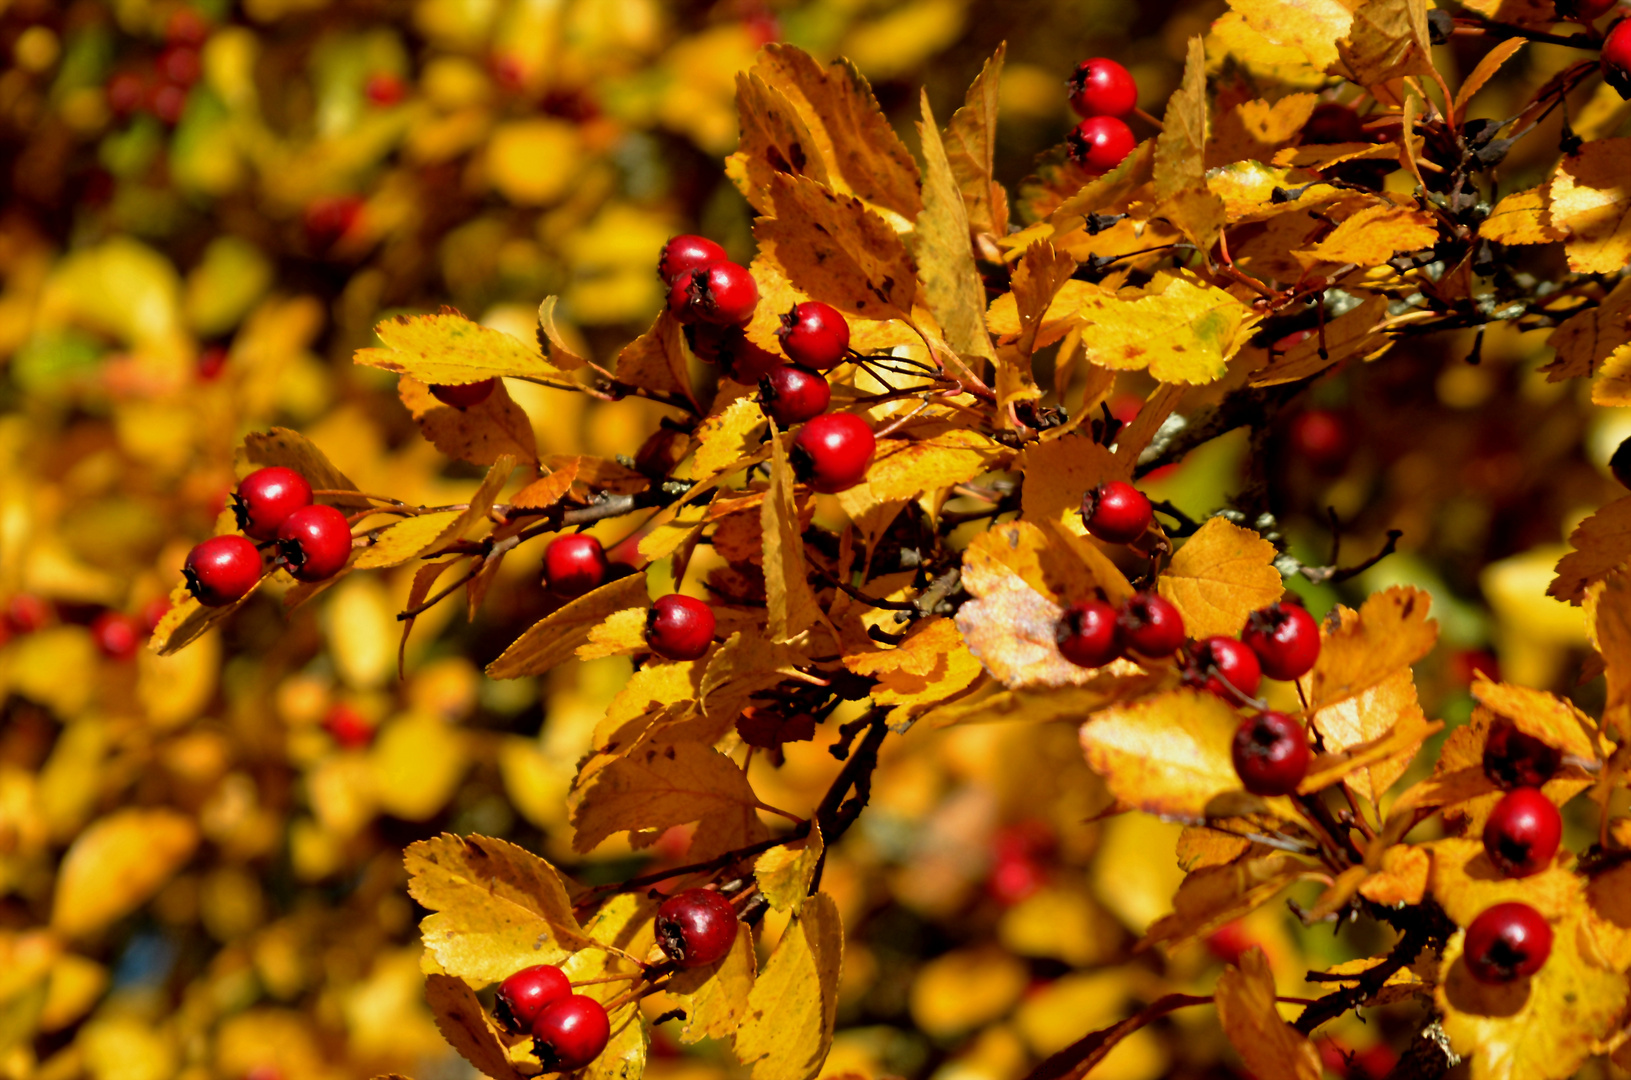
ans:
(1221, 575)
(1385, 717)
(1215, 895)
(1167, 755)
(1602, 543)
(1269, 1045)
(1390, 631)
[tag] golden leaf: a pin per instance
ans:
(1179, 328)
(1387, 40)
(1402, 878)
(1535, 712)
(656, 360)
(117, 863)
(1357, 333)
(623, 633)
(1613, 628)
(1591, 203)
(784, 873)
(546, 491)
(1221, 575)
(1011, 630)
(292, 450)
(774, 140)
(1246, 1008)
(748, 662)
(664, 785)
(714, 998)
(188, 620)
(952, 288)
(1249, 133)
(1524, 217)
(479, 434)
(966, 989)
(1313, 27)
(727, 437)
(833, 247)
(791, 599)
(1373, 236)
(789, 1024)
(1059, 472)
(555, 638)
(404, 540)
(1166, 755)
(1464, 881)
(1181, 193)
(933, 458)
(1589, 339)
(561, 355)
(449, 349)
(1602, 544)
(1368, 719)
(971, 143)
(1390, 631)
(929, 667)
(1215, 895)
(467, 1027)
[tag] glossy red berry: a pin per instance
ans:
(1087, 635)
(815, 335)
(314, 542)
(722, 294)
(1102, 87)
(1331, 122)
(1285, 638)
(570, 1033)
(1116, 512)
(696, 927)
(348, 727)
(1100, 143)
(1522, 832)
(265, 499)
(385, 89)
(524, 995)
(1514, 759)
(1616, 59)
(1218, 663)
(1507, 942)
(1151, 625)
(686, 253)
(223, 569)
(792, 394)
(679, 627)
(832, 451)
(116, 634)
(1322, 438)
(574, 564)
(26, 613)
(464, 395)
(1270, 753)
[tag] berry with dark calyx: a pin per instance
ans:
(223, 569)
(528, 992)
(1285, 638)
(1116, 512)
(1333, 123)
(1516, 759)
(1102, 87)
(831, 452)
(574, 564)
(464, 395)
(1506, 942)
(679, 627)
(696, 927)
(570, 1033)
(686, 253)
(1270, 753)
(1218, 663)
(723, 294)
(1100, 143)
(815, 335)
(1087, 635)
(314, 542)
(1616, 58)
(26, 613)
(116, 634)
(793, 393)
(265, 499)
(1620, 463)
(1151, 625)
(1522, 832)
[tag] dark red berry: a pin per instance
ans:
(686, 253)
(211, 362)
(1333, 123)
(1013, 878)
(331, 217)
(524, 995)
(1151, 625)
(1285, 638)
(574, 564)
(223, 569)
(1218, 663)
(792, 394)
(815, 335)
(1086, 634)
(464, 395)
(1515, 759)
(348, 727)
(385, 89)
(186, 27)
(314, 542)
(696, 928)
(265, 499)
(1100, 143)
(1507, 942)
(1616, 59)
(167, 101)
(1620, 463)
(832, 451)
(126, 93)
(1322, 438)
(26, 613)
(570, 1033)
(1522, 832)
(679, 627)
(1116, 512)
(1102, 87)
(1270, 752)
(722, 294)
(116, 634)
(179, 64)
(731, 348)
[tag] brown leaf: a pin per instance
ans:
(656, 360)
(1215, 895)
(1246, 1008)
(292, 450)
(1391, 630)
(546, 491)
(550, 339)
(775, 139)
(1221, 575)
(479, 434)
(832, 246)
(666, 785)
(1613, 627)
(971, 143)
(1355, 334)
(555, 638)
(1602, 544)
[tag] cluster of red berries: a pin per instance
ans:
(162, 88)
(1101, 92)
(116, 634)
(677, 627)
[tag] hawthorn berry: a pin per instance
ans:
(116, 634)
(384, 89)
(1322, 438)
(1620, 463)
(1102, 87)
(679, 627)
(1217, 663)
(348, 727)
(180, 65)
(126, 92)
(570, 1033)
(722, 294)
(464, 395)
(738, 355)
(265, 499)
(1150, 624)
(815, 335)
(1515, 759)
(574, 564)
(26, 613)
(211, 362)
(330, 217)
(314, 542)
(1270, 753)
(222, 569)
(153, 613)
(1522, 832)
(696, 927)
(685, 253)
(186, 26)
(1331, 122)
(524, 995)
(167, 101)
(793, 393)
(1616, 59)
(1506, 942)
(1116, 512)
(831, 452)
(1285, 638)
(1087, 634)
(1100, 143)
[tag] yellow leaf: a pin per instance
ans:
(932, 459)
(622, 634)
(789, 1024)
(1247, 135)
(1060, 471)
(1011, 627)
(555, 638)
(1179, 328)
(1602, 543)
(1180, 158)
(1246, 1008)
(952, 288)
(1357, 333)
(727, 437)
(292, 450)
(714, 998)
(1166, 755)
(971, 143)
(546, 491)
(966, 989)
(418, 762)
(1311, 26)
(789, 595)
(185, 622)
(116, 865)
(832, 246)
(930, 666)
(561, 355)
(1593, 337)
(1524, 217)
(1367, 719)
(1402, 878)
(664, 785)
(1613, 627)
(1387, 40)
(784, 873)
(1464, 881)
(1391, 630)
(532, 162)
(656, 359)
(1535, 712)
(1373, 236)
(748, 662)
(1591, 203)
(1234, 41)
(405, 540)
(1221, 575)
(479, 434)
(1215, 895)
(467, 1027)
(449, 349)
(774, 139)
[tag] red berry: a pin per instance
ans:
(126, 92)
(222, 569)
(116, 634)
(574, 564)
(1286, 342)
(179, 64)
(1221, 662)
(1101, 87)
(464, 395)
(186, 27)
(1508, 941)
(696, 928)
(167, 102)
(1333, 123)
(731, 348)
(1322, 438)
(1616, 58)
(1151, 625)
(792, 394)
(1285, 638)
(26, 613)
(1514, 759)
(1100, 143)
(815, 335)
(1086, 634)
(349, 727)
(314, 542)
(686, 253)
(331, 217)
(832, 451)
(1270, 752)
(211, 362)
(265, 499)
(570, 1033)
(524, 995)
(1116, 512)
(679, 627)
(1013, 878)
(1229, 941)
(722, 294)
(153, 613)
(384, 89)
(1522, 832)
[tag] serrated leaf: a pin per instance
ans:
(930, 666)
(713, 998)
(449, 349)
(1602, 543)
(775, 139)
(789, 1023)
(665, 785)
(1523, 217)
(791, 600)
(1373, 236)
(1060, 471)
(1397, 744)
(727, 437)
(952, 288)
(479, 434)
(466, 1026)
(292, 450)
(555, 638)
(1390, 631)
(1220, 576)
(656, 360)
(1387, 40)
(404, 540)
(1215, 895)
(561, 355)
(1167, 755)
(623, 633)
(1313, 27)
(548, 490)
(117, 863)
(188, 620)
(971, 143)
(1367, 719)
(1591, 205)
(1535, 712)
(832, 246)
(1181, 192)
(1179, 328)
(1246, 1009)
(930, 460)
(784, 873)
